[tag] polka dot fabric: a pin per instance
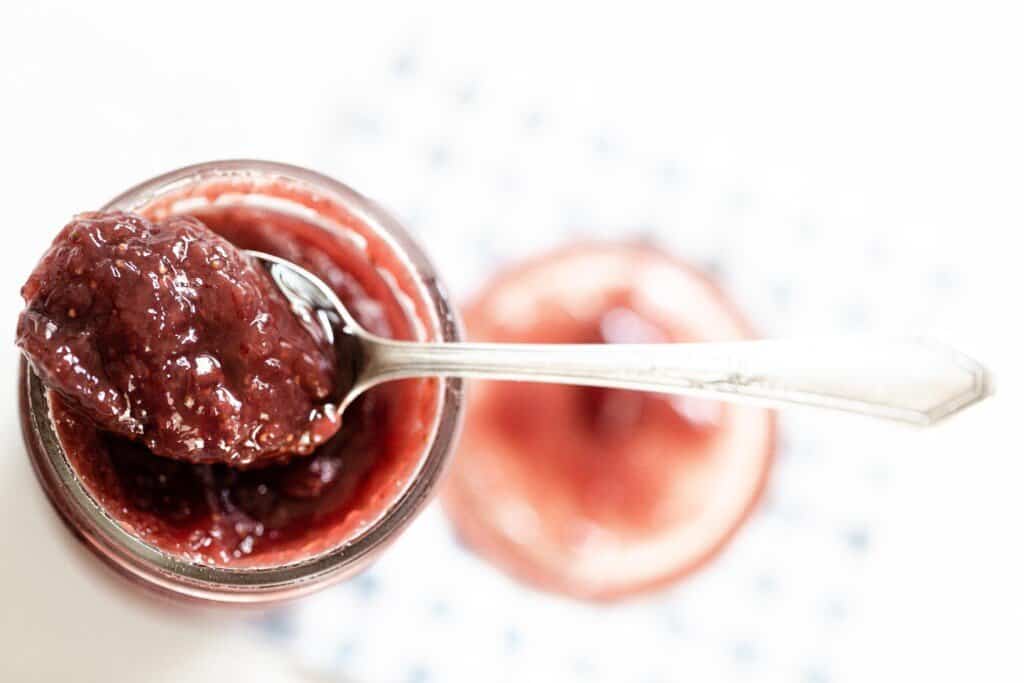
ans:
(484, 179)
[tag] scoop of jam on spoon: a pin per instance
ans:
(911, 381)
(165, 333)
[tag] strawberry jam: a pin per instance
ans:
(167, 333)
(294, 478)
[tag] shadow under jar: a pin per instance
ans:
(214, 533)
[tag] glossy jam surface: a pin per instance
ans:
(166, 333)
(229, 516)
(597, 492)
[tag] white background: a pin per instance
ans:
(895, 123)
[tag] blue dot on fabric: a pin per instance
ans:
(743, 652)
(404, 65)
(766, 584)
(365, 585)
(513, 640)
(440, 609)
(346, 650)
(278, 625)
(533, 120)
(670, 174)
(816, 675)
(858, 539)
(467, 93)
(418, 674)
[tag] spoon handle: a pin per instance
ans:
(912, 381)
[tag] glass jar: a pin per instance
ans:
(313, 197)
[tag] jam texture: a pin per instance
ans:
(166, 334)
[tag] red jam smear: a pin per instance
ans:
(600, 493)
(222, 515)
(166, 333)
(604, 451)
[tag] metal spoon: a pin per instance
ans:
(912, 381)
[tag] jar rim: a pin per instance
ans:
(259, 583)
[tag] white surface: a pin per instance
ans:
(890, 133)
